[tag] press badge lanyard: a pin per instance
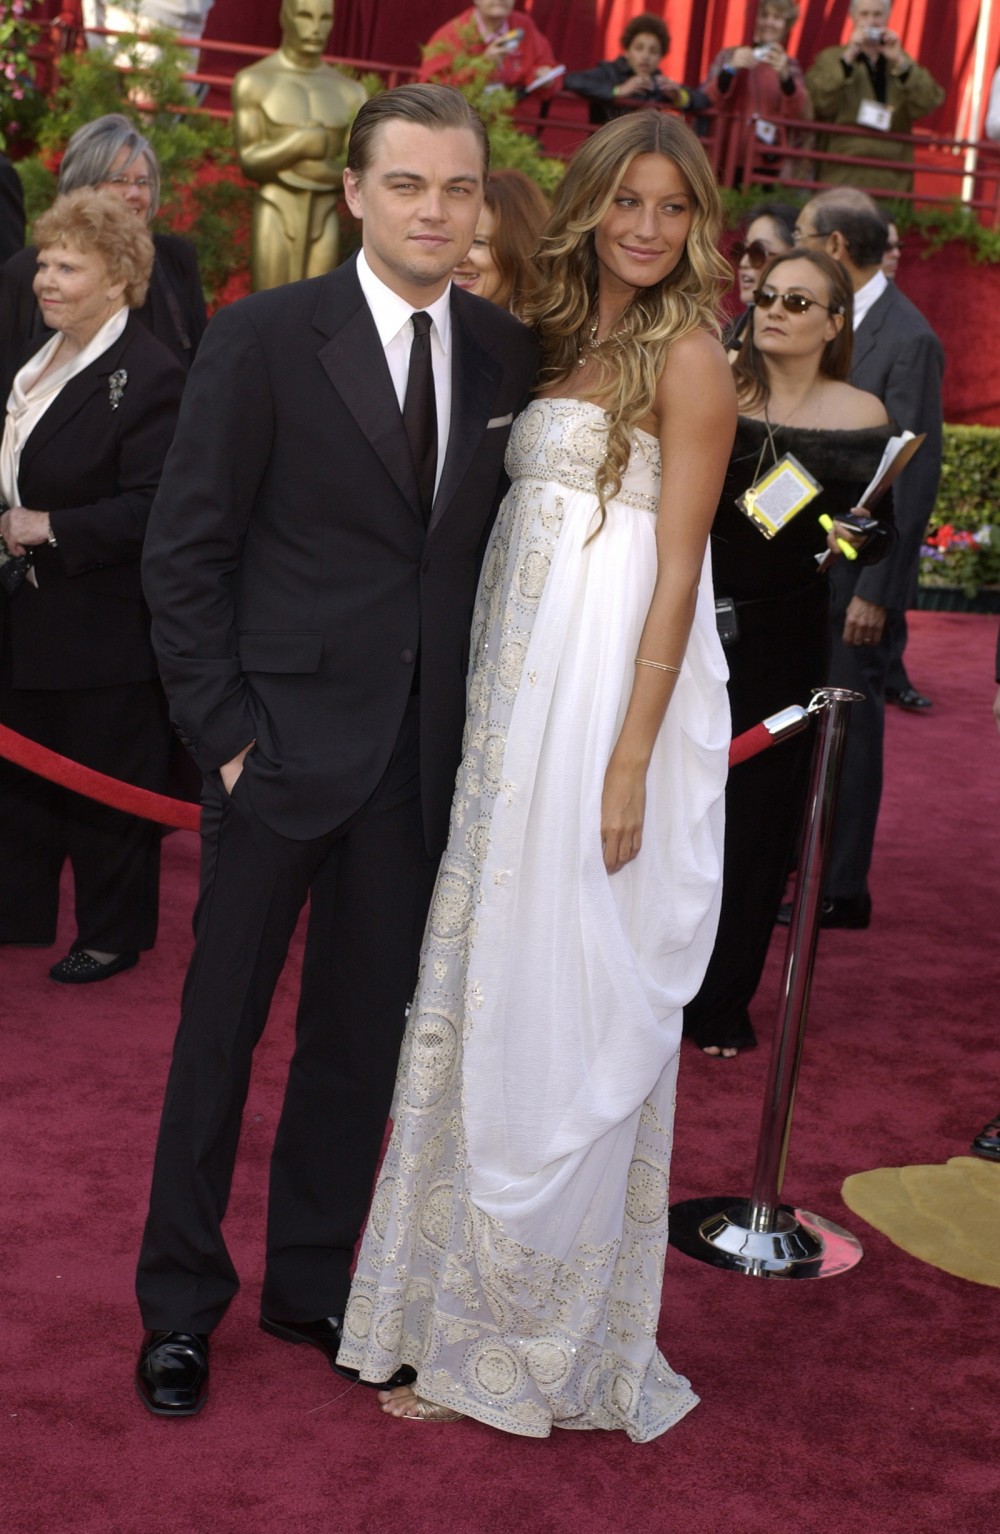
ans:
(774, 499)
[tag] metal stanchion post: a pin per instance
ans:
(760, 1236)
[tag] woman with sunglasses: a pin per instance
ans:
(791, 377)
(769, 231)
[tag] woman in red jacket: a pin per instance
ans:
(761, 82)
(519, 52)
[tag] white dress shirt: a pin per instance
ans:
(868, 295)
(393, 318)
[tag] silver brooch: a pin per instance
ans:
(116, 387)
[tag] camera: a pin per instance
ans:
(762, 52)
(874, 35)
(510, 40)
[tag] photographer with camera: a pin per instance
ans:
(634, 78)
(870, 81)
(762, 82)
(520, 54)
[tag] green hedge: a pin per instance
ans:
(963, 540)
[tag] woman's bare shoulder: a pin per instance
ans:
(846, 408)
(696, 361)
(697, 348)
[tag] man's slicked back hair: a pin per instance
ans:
(428, 106)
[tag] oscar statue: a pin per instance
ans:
(292, 113)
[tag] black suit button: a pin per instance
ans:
(407, 657)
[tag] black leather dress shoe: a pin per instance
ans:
(910, 699)
(326, 1335)
(172, 1377)
(855, 913)
(987, 1141)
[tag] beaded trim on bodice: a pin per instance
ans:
(565, 440)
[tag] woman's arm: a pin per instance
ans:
(794, 96)
(721, 74)
(696, 407)
(598, 83)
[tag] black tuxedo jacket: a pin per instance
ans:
(898, 357)
(291, 579)
(95, 470)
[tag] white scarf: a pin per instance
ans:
(30, 398)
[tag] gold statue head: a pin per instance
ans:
(305, 28)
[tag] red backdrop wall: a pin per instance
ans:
(940, 33)
(959, 298)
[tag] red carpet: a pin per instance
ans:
(866, 1402)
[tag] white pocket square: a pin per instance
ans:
(500, 420)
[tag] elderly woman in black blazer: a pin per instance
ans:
(111, 153)
(90, 416)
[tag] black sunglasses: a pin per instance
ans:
(756, 253)
(794, 303)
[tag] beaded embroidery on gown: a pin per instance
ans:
(515, 1246)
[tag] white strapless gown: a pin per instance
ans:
(515, 1246)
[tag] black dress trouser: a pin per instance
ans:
(122, 731)
(369, 883)
(863, 668)
(781, 655)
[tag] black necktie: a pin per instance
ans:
(420, 411)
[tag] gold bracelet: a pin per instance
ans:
(657, 665)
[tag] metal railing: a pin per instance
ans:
(972, 165)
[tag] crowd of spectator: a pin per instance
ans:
(757, 93)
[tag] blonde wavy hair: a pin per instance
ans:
(563, 297)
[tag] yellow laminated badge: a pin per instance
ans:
(779, 495)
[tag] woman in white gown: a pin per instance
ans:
(515, 1246)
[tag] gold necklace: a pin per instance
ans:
(592, 344)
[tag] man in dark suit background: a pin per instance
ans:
(898, 357)
(311, 566)
(11, 210)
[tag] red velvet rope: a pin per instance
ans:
(751, 743)
(177, 812)
(96, 785)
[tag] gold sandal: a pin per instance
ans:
(422, 1411)
(429, 1411)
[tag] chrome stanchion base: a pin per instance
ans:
(802, 1245)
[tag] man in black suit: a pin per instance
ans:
(11, 211)
(898, 357)
(311, 566)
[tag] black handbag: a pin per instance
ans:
(13, 567)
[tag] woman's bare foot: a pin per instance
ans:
(404, 1402)
(715, 1053)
